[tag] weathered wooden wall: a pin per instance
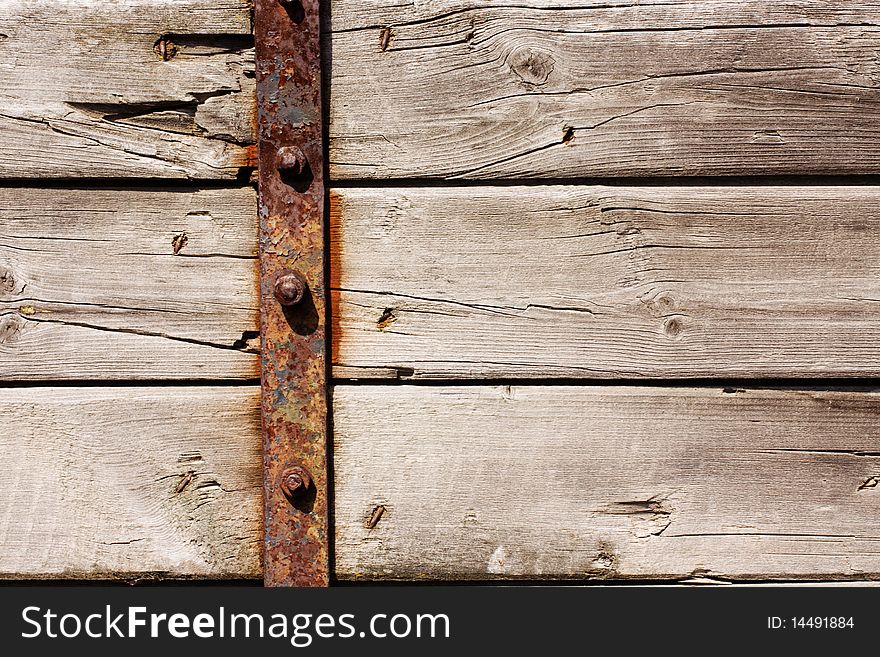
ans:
(514, 220)
(607, 282)
(482, 481)
(128, 297)
(562, 88)
(115, 268)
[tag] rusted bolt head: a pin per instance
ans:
(291, 160)
(295, 482)
(290, 289)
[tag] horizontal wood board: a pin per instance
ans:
(128, 284)
(561, 89)
(128, 482)
(605, 282)
(485, 482)
(132, 88)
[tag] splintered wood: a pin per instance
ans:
(132, 88)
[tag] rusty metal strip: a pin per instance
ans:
(294, 395)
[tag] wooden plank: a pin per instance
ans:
(606, 282)
(568, 88)
(127, 284)
(479, 482)
(130, 482)
(133, 88)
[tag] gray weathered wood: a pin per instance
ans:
(562, 88)
(91, 287)
(126, 88)
(130, 482)
(606, 282)
(605, 482)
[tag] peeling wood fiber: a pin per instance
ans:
(130, 482)
(116, 284)
(132, 88)
(606, 282)
(561, 89)
(485, 482)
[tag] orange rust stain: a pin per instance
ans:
(257, 364)
(335, 246)
(251, 156)
(335, 220)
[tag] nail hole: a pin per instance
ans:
(165, 48)
(384, 38)
(178, 242)
(295, 10)
(375, 517)
(386, 319)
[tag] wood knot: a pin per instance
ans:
(673, 327)
(10, 329)
(659, 306)
(7, 281)
(605, 562)
(531, 66)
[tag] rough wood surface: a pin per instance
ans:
(130, 482)
(606, 282)
(605, 482)
(116, 284)
(126, 88)
(562, 88)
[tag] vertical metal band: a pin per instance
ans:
(294, 395)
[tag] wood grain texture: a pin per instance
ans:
(605, 482)
(606, 282)
(130, 482)
(115, 284)
(555, 88)
(125, 89)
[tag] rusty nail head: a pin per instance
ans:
(295, 481)
(290, 288)
(291, 160)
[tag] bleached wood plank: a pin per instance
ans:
(605, 482)
(130, 482)
(126, 88)
(91, 286)
(562, 88)
(606, 282)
